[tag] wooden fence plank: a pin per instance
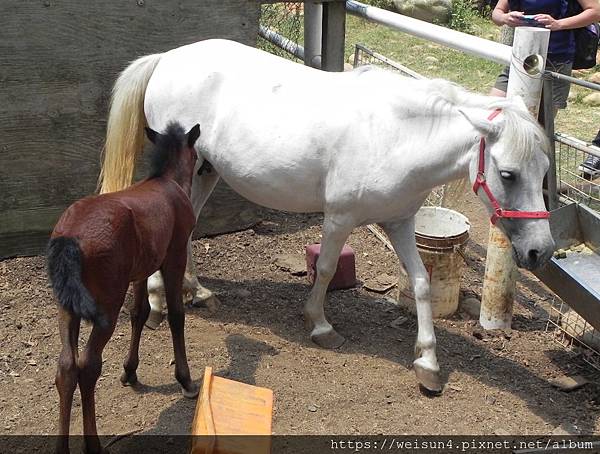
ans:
(59, 61)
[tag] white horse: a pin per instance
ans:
(362, 147)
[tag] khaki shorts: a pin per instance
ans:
(560, 88)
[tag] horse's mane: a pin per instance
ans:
(524, 134)
(438, 98)
(166, 149)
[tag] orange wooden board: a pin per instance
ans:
(235, 409)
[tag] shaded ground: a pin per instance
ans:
(257, 336)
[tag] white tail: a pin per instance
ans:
(126, 121)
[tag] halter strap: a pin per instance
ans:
(480, 182)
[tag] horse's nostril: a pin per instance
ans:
(533, 254)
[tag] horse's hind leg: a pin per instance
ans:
(139, 314)
(402, 236)
(335, 234)
(172, 271)
(90, 367)
(66, 374)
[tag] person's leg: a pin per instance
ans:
(499, 88)
(596, 140)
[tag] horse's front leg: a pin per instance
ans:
(335, 234)
(202, 187)
(200, 296)
(156, 298)
(402, 236)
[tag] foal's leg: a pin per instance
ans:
(202, 187)
(66, 374)
(335, 234)
(172, 271)
(402, 236)
(90, 367)
(138, 314)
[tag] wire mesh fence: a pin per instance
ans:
(576, 335)
(286, 19)
(579, 180)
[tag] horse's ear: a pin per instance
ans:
(485, 127)
(193, 135)
(151, 134)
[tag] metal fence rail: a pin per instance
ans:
(489, 50)
(282, 42)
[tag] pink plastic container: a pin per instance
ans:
(345, 274)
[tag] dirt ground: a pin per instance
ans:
(496, 384)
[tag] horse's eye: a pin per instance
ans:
(507, 175)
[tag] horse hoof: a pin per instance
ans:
(154, 319)
(211, 303)
(129, 379)
(329, 340)
(427, 376)
(191, 392)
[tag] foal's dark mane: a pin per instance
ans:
(166, 150)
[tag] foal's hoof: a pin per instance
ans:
(191, 392)
(154, 319)
(428, 377)
(129, 379)
(329, 340)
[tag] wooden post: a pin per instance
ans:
(528, 58)
(334, 35)
(313, 23)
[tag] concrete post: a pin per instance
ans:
(530, 47)
(313, 24)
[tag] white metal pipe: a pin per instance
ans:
(530, 47)
(313, 27)
(489, 50)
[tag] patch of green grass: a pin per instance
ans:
(427, 58)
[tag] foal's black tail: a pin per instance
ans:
(64, 270)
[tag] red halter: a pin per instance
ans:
(481, 183)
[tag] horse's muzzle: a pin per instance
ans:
(533, 258)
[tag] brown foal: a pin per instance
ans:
(100, 245)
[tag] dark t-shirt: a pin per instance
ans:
(562, 43)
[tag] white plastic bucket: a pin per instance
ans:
(441, 234)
